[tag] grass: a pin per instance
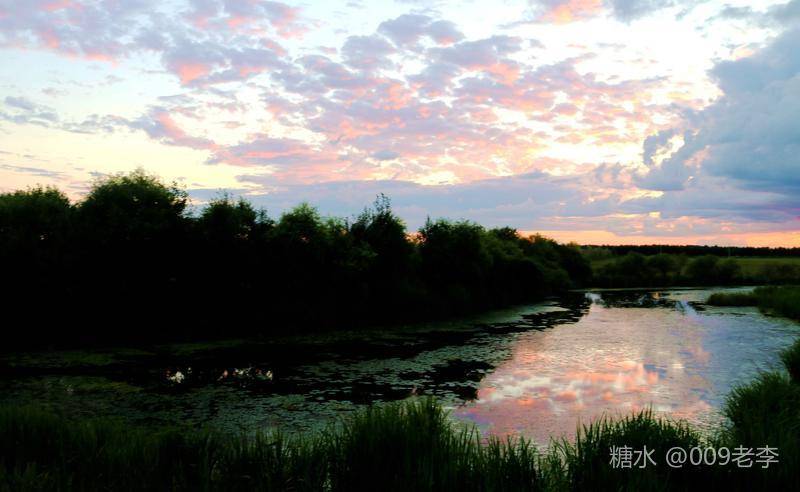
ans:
(585, 465)
(754, 266)
(412, 446)
(732, 299)
(782, 301)
(791, 359)
(402, 446)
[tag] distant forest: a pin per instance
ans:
(693, 250)
(130, 263)
(660, 266)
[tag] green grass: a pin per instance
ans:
(781, 301)
(404, 446)
(791, 359)
(752, 266)
(732, 299)
(585, 463)
(412, 445)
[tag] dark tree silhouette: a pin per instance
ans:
(131, 263)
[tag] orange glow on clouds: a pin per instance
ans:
(573, 10)
(790, 239)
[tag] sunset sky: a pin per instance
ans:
(600, 121)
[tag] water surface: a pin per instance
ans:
(534, 370)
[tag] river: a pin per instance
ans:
(536, 370)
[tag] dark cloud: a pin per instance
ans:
(751, 135)
(521, 201)
(786, 14)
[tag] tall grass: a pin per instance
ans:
(585, 463)
(733, 299)
(403, 446)
(783, 300)
(791, 359)
(411, 446)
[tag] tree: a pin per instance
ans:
(34, 221)
(136, 207)
(703, 269)
(664, 265)
(385, 235)
(225, 220)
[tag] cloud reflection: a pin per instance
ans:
(613, 361)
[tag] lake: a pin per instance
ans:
(536, 370)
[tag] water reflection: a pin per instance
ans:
(536, 370)
(631, 351)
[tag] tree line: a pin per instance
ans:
(133, 261)
(698, 250)
(635, 269)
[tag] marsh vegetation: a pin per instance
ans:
(404, 446)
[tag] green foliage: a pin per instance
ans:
(132, 207)
(783, 300)
(668, 269)
(791, 359)
(780, 300)
(132, 250)
(34, 217)
(702, 269)
(35, 227)
(410, 445)
(728, 271)
(732, 299)
(384, 234)
(637, 270)
(224, 220)
(415, 446)
(585, 463)
(766, 412)
(777, 273)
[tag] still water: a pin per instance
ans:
(536, 370)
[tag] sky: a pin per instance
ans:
(596, 121)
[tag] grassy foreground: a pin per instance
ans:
(403, 446)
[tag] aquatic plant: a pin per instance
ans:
(791, 359)
(779, 300)
(732, 299)
(402, 446)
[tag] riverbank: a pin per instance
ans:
(405, 446)
(534, 370)
(412, 445)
